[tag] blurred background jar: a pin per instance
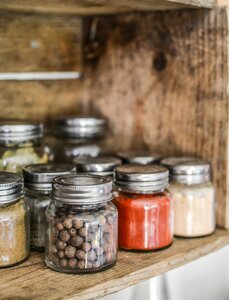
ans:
(139, 157)
(101, 165)
(82, 225)
(144, 207)
(21, 144)
(193, 196)
(38, 187)
(79, 136)
(14, 220)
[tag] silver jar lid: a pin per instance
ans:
(140, 158)
(39, 177)
(101, 165)
(11, 187)
(80, 127)
(189, 170)
(142, 179)
(20, 131)
(91, 150)
(82, 189)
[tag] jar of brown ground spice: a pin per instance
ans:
(14, 220)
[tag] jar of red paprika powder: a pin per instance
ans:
(144, 207)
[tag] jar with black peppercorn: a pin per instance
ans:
(38, 188)
(82, 225)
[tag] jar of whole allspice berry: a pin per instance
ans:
(82, 225)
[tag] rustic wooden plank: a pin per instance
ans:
(32, 280)
(223, 2)
(40, 43)
(40, 100)
(89, 7)
(162, 81)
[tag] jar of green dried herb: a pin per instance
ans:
(21, 143)
(14, 220)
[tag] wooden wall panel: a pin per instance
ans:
(39, 100)
(39, 43)
(162, 80)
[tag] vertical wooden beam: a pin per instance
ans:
(162, 80)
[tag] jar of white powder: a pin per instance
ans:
(193, 196)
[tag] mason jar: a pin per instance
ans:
(80, 136)
(193, 196)
(14, 220)
(144, 207)
(101, 165)
(139, 157)
(38, 187)
(82, 225)
(21, 144)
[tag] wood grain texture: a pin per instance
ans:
(40, 100)
(32, 280)
(162, 81)
(222, 2)
(39, 43)
(95, 7)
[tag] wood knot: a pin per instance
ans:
(159, 61)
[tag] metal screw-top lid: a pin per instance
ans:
(141, 179)
(11, 187)
(101, 165)
(189, 170)
(140, 158)
(39, 177)
(20, 131)
(91, 150)
(80, 127)
(82, 189)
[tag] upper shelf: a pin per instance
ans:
(96, 7)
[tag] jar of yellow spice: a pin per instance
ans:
(14, 220)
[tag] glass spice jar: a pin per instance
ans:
(144, 207)
(38, 187)
(193, 196)
(139, 157)
(21, 144)
(14, 220)
(101, 165)
(82, 225)
(80, 136)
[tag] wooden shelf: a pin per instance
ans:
(94, 7)
(32, 280)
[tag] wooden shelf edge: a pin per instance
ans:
(99, 7)
(32, 280)
(158, 268)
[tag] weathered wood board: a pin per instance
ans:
(95, 7)
(32, 280)
(39, 43)
(162, 81)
